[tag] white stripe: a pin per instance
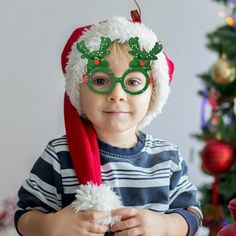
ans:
(59, 141)
(135, 177)
(61, 148)
(119, 183)
(154, 206)
(183, 184)
(71, 189)
(135, 173)
(69, 178)
(114, 166)
(51, 191)
(51, 150)
(156, 150)
(68, 173)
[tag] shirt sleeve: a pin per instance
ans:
(42, 190)
(183, 196)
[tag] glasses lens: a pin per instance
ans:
(135, 81)
(100, 81)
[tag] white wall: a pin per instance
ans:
(32, 35)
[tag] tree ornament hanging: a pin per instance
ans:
(223, 71)
(213, 218)
(217, 156)
(230, 229)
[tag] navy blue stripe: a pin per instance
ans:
(65, 160)
(50, 153)
(48, 195)
(144, 159)
(138, 197)
(47, 173)
(71, 184)
(29, 200)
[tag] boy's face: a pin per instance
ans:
(116, 111)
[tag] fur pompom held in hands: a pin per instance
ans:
(97, 198)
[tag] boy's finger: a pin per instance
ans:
(125, 213)
(94, 215)
(126, 224)
(98, 229)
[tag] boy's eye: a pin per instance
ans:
(99, 81)
(135, 81)
(132, 82)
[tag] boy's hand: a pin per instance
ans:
(147, 223)
(139, 222)
(68, 223)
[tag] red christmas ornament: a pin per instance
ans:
(232, 208)
(230, 229)
(217, 156)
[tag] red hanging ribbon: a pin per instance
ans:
(215, 192)
(213, 103)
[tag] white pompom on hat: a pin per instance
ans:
(120, 29)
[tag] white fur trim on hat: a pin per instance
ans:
(118, 28)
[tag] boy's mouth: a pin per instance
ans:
(116, 112)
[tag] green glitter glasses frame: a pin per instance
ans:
(102, 80)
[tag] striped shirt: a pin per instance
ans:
(152, 175)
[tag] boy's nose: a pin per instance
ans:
(117, 94)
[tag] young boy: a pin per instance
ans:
(117, 81)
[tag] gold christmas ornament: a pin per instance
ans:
(223, 71)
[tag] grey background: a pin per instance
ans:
(32, 36)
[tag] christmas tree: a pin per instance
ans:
(218, 122)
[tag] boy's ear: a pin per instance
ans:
(151, 80)
(85, 77)
(151, 100)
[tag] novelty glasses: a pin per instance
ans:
(103, 80)
(100, 79)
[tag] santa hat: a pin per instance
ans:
(120, 29)
(81, 136)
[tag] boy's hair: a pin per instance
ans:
(120, 30)
(117, 48)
